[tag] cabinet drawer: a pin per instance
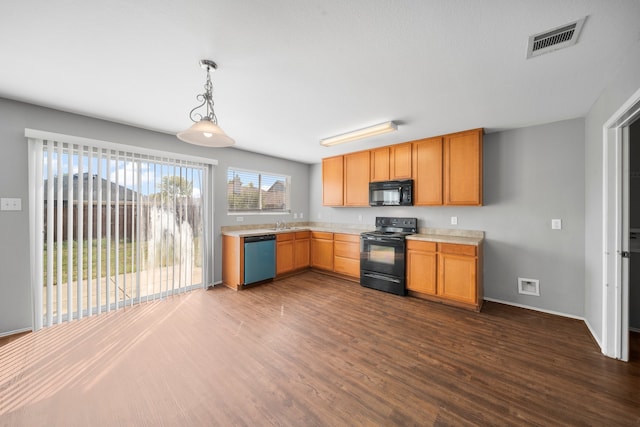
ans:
(450, 248)
(347, 237)
(346, 249)
(281, 237)
(348, 266)
(421, 246)
(302, 234)
(321, 235)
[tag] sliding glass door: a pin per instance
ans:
(115, 228)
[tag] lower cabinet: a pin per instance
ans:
(301, 250)
(322, 250)
(346, 254)
(292, 252)
(445, 272)
(284, 253)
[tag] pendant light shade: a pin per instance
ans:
(207, 134)
(205, 130)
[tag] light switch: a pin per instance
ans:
(10, 204)
(556, 224)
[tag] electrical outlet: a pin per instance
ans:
(10, 204)
(359, 218)
(295, 216)
(556, 224)
(239, 218)
(454, 220)
(301, 215)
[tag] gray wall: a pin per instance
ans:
(621, 88)
(531, 175)
(15, 293)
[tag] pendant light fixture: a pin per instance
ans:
(205, 131)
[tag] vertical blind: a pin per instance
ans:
(113, 228)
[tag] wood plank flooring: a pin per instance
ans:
(313, 350)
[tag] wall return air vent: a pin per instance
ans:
(557, 38)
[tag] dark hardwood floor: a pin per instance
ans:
(315, 350)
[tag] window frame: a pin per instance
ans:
(261, 211)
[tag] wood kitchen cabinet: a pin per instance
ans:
(391, 163)
(356, 178)
(379, 164)
(301, 250)
(284, 253)
(427, 172)
(346, 251)
(445, 272)
(422, 267)
(462, 168)
(292, 252)
(232, 261)
(333, 181)
(400, 166)
(322, 250)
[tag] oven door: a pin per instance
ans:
(382, 255)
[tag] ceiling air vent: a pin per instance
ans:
(557, 38)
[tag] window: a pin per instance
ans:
(251, 191)
(113, 228)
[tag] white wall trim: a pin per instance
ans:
(51, 136)
(528, 307)
(556, 313)
(17, 331)
(594, 335)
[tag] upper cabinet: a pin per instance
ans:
(356, 178)
(462, 168)
(447, 170)
(332, 181)
(380, 164)
(427, 172)
(391, 163)
(400, 161)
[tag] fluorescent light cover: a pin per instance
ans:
(360, 133)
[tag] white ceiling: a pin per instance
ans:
(292, 72)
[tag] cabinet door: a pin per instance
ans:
(380, 164)
(284, 253)
(400, 161)
(301, 253)
(427, 172)
(356, 179)
(463, 168)
(322, 253)
(457, 278)
(421, 267)
(332, 181)
(346, 251)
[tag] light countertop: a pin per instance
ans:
(456, 236)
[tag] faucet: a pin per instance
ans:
(281, 225)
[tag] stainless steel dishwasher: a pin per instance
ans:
(259, 258)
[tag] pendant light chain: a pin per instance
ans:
(205, 99)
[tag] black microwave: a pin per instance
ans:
(391, 193)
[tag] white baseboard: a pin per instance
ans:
(528, 307)
(17, 331)
(556, 313)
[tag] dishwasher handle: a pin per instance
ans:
(261, 238)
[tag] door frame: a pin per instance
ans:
(615, 229)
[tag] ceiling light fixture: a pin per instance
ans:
(206, 131)
(359, 134)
